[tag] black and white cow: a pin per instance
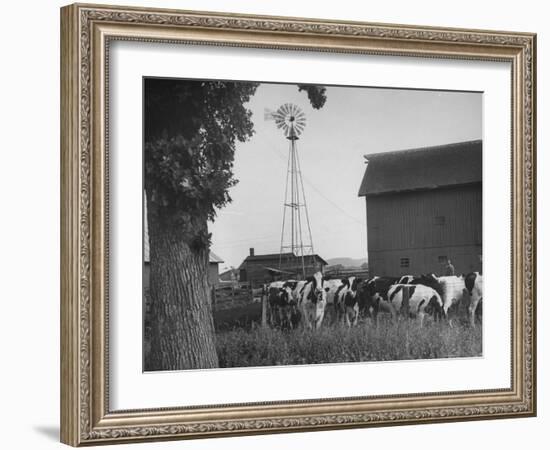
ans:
(351, 302)
(474, 287)
(332, 287)
(373, 296)
(422, 300)
(283, 300)
(313, 301)
(343, 286)
(429, 280)
(279, 298)
(405, 279)
(453, 296)
(458, 298)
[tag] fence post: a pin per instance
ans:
(405, 313)
(264, 309)
(404, 310)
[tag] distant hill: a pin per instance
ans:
(346, 262)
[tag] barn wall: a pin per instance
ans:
(410, 225)
(387, 263)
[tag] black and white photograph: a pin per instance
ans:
(294, 224)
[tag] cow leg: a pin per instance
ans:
(272, 316)
(421, 317)
(356, 311)
(340, 314)
(319, 320)
(307, 318)
(347, 318)
(472, 311)
(375, 316)
(282, 315)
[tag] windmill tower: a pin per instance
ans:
(295, 235)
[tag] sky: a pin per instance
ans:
(354, 122)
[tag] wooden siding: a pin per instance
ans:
(425, 226)
(213, 274)
(255, 272)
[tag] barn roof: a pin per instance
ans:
(422, 168)
(276, 256)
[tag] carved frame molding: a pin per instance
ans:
(86, 31)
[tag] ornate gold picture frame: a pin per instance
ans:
(87, 31)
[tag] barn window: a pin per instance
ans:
(404, 262)
(440, 220)
(442, 259)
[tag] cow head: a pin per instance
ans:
(431, 281)
(373, 289)
(434, 308)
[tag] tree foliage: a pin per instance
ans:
(316, 94)
(191, 128)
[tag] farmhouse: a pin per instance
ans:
(424, 207)
(259, 269)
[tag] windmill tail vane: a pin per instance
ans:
(269, 114)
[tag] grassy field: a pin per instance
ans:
(336, 344)
(238, 315)
(242, 342)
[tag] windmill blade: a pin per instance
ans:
(289, 118)
(284, 109)
(300, 115)
(279, 117)
(294, 110)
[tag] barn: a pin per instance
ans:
(260, 269)
(424, 207)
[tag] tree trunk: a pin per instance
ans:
(182, 327)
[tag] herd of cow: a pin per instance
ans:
(448, 298)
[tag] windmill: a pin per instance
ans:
(291, 120)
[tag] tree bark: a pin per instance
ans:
(182, 327)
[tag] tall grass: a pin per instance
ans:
(337, 343)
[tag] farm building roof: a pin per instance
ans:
(213, 258)
(422, 168)
(276, 256)
(279, 271)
